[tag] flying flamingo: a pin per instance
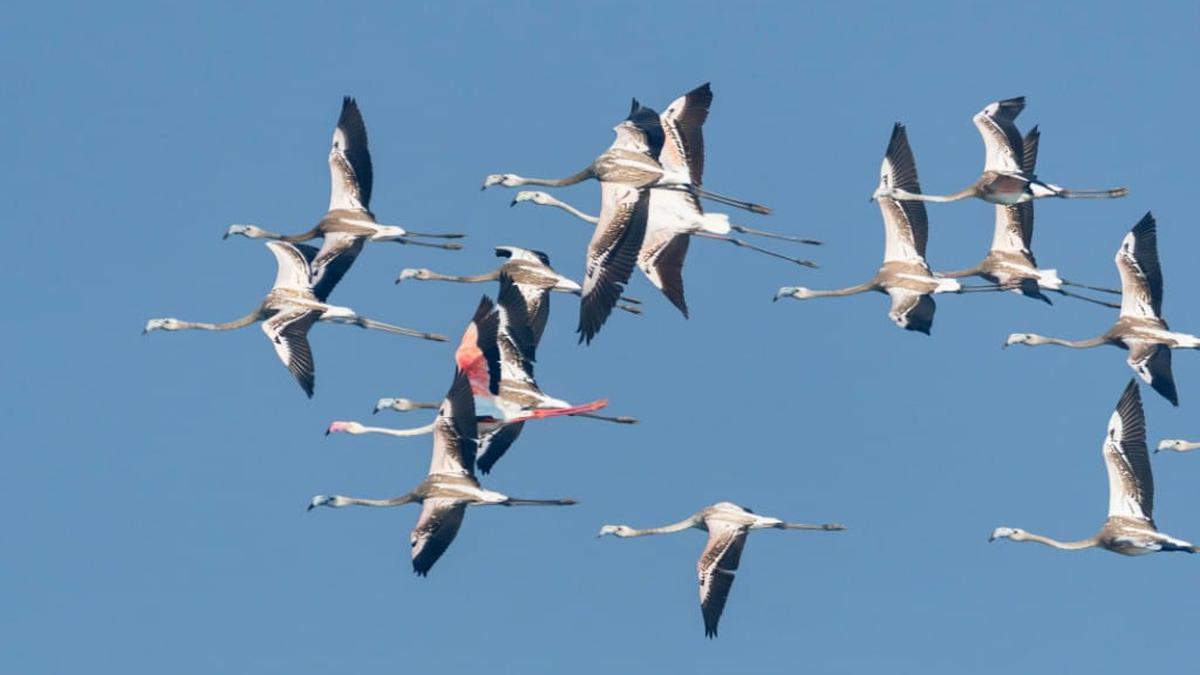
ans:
(1140, 328)
(1129, 529)
(506, 394)
(1005, 179)
(675, 215)
(905, 276)
(449, 487)
(531, 271)
(633, 161)
(290, 309)
(727, 525)
(349, 222)
(1010, 262)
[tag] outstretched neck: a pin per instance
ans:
(1062, 545)
(665, 529)
(960, 274)
(841, 292)
(468, 279)
(558, 182)
(573, 211)
(1072, 344)
(403, 433)
(228, 325)
(905, 195)
(362, 501)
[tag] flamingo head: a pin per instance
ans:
(535, 196)
(1176, 445)
(1020, 339)
(324, 500)
(616, 530)
(162, 324)
(1012, 533)
(420, 274)
(347, 427)
(505, 179)
(797, 292)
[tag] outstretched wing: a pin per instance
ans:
(717, 569)
(611, 254)
(1141, 273)
(1029, 151)
(494, 446)
(288, 333)
(905, 222)
(338, 252)
(292, 270)
(1001, 140)
(519, 348)
(439, 523)
(350, 161)
(1130, 483)
(1152, 363)
(1014, 228)
(682, 125)
(478, 354)
(455, 430)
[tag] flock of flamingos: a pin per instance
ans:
(651, 181)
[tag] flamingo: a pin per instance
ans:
(633, 160)
(1140, 328)
(905, 276)
(1010, 262)
(1005, 179)
(506, 393)
(1129, 529)
(290, 309)
(349, 223)
(531, 271)
(450, 485)
(727, 525)
(1177, 446)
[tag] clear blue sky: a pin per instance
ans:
(155, 487)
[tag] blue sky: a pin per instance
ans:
(155, 487)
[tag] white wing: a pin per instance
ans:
(1001, 140)
(350, 170)
(292, 266)
(1130, 483)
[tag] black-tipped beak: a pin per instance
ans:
(310, 507)
(512, 203)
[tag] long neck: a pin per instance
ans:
(905, 195)
(959, 274)
(1184, 447)
(558, 182)
(1063, 545)
(403, 433)
(805, 526)
(255, 232)
(573, 211)
(361, 501)
(852, 290)
(1072, 344)
(228, 325)
(303, 236)
(469, 279)
(665, 529)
